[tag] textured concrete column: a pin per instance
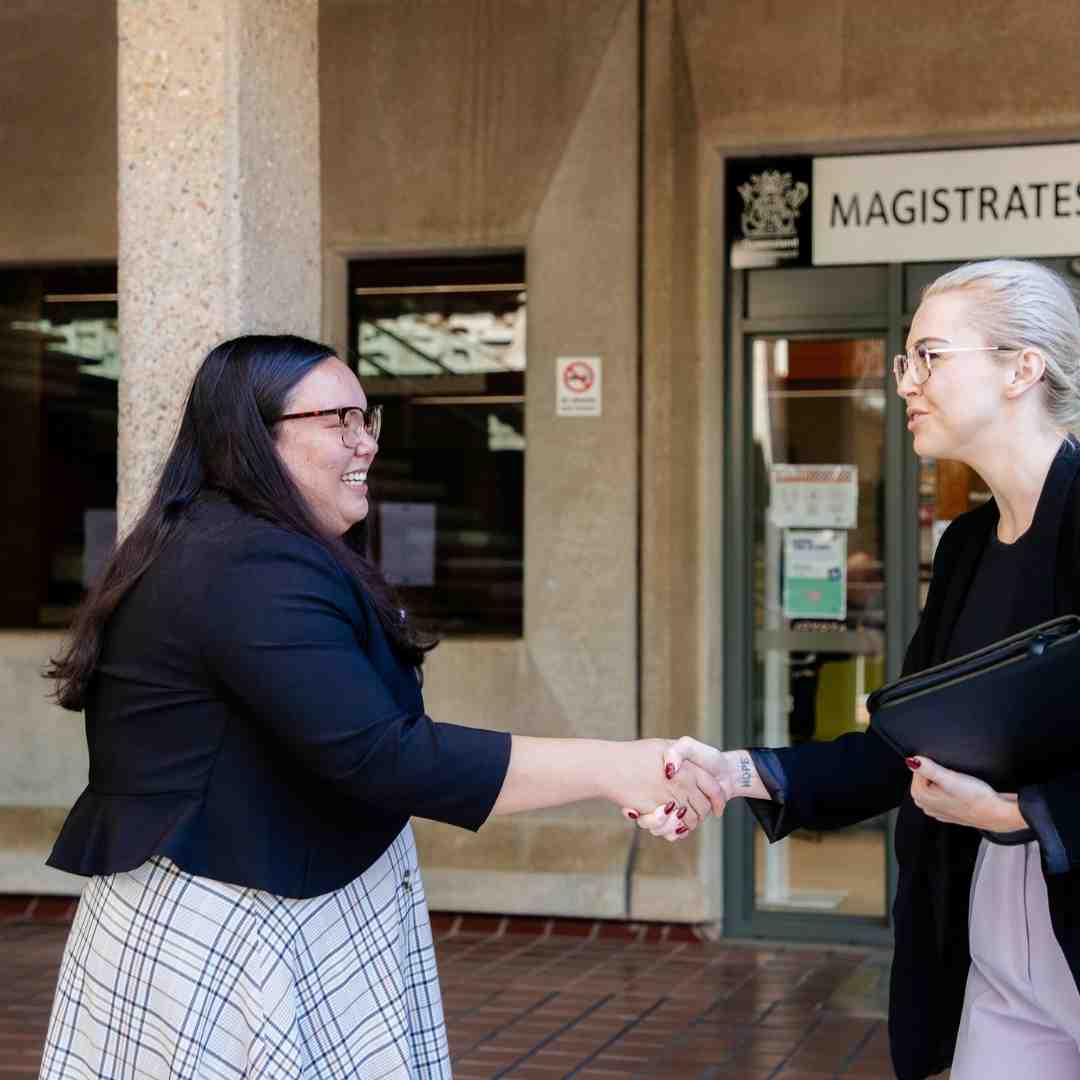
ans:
(219, 200)
(680, 434)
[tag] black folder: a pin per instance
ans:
(1008, 713)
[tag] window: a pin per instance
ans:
(440, 344)
(58, 370)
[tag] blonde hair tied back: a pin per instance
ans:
(1025, 305)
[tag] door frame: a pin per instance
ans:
(900, 477)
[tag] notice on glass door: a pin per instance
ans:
(815, 574)
(814, 496)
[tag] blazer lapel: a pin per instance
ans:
(1035, 595)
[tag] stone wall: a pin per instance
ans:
(439, 137)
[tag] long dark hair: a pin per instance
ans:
(225, 445)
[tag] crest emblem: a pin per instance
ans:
(771, 202)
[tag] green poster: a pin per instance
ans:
(815, 574)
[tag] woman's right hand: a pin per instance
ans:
(638, 778)
(733, 772)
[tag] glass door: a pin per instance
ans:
(817, 594)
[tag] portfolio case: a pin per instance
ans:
(1008, 714)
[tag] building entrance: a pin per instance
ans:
(818, 592)
(832, 522)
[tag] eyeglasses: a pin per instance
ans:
(354, 422)
(918, 360)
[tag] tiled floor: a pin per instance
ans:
(532, 999)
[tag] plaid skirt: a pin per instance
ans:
(169, 975)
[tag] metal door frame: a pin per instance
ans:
(900, 477)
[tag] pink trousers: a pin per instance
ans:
(1021, 1013)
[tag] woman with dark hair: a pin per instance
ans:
(258, 743)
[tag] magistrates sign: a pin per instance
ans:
(953, 204)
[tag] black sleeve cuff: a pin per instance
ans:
(772, 773)
(1036, 813)
(479, 763)
(770, 816)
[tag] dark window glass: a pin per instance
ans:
(440, 344)
(58, 370)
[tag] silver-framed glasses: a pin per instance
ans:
(919, 360)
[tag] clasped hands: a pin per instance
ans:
(698, 780)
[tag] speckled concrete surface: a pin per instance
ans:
(219, 204)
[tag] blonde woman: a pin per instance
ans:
(987, 911)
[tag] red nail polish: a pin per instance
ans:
(681, 813)
(682, 829)
(634, 815)
(669, 770)
(912, 762)
(670, 806)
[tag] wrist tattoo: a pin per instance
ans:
(746, 772)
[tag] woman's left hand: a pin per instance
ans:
(959, 799)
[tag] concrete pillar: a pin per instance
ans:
(682, 395)
(219, 200)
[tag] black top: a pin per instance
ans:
(988, 606)
(830, 785)
(987, 613)
(249, 720)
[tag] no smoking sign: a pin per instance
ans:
(579, 377)
(578, 386)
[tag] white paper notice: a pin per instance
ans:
(407, 542)
(815, 496)
(579, 386)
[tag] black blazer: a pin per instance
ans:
(857, 776)
(249, 720)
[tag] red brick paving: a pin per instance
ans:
(539, 999)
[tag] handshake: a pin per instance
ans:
(667, 787)
(689, 781)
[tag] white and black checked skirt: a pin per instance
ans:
(169, 975)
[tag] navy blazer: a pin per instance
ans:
(249, 720)
(857, 776)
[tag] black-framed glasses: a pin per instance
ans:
(919, 360)
(355, 422)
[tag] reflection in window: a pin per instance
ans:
(440, 343)
(58, 372)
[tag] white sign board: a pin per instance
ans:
(579, 386)
(407, 542)
(953, 204)
(814, 496)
